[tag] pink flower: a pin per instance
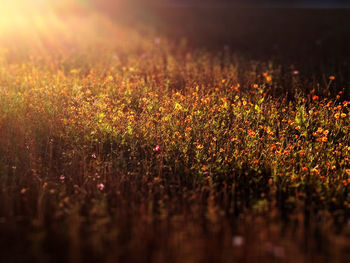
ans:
(100, 187)
(296, 72)
(62, 177)
(157, 148)
(157, 41)
(237, 241)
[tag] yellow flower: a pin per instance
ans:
(343, 115)
(200, 146)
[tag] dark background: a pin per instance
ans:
(271, 3)
(311, 36)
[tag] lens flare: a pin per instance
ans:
(48, 26)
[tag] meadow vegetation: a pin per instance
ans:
(134, 148)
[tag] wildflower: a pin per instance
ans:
(301, 153)
(315, 97)
(256, 161)
(157, 41)
(157, 148)
(343, 115)
(315, 171)
(304, 169)
(296, 72)
(320, 130)
(237, 241)
(200, 146)
(93, 156)
(100, 187)
(326, 132)
(156, 179)
(62, 177)
(347, 171)
(324, 139)
(337, 115)
(331, 77)
(251, 132)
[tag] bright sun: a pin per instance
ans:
(49, 25)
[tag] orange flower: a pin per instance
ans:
(337, 115)
(324, 139)
(331, 77)
(343, 115)
(251, 132)
(304, 169)
(315, 171)
(315, 97)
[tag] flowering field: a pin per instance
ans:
(130, 147)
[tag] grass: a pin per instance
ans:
(137, 149)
